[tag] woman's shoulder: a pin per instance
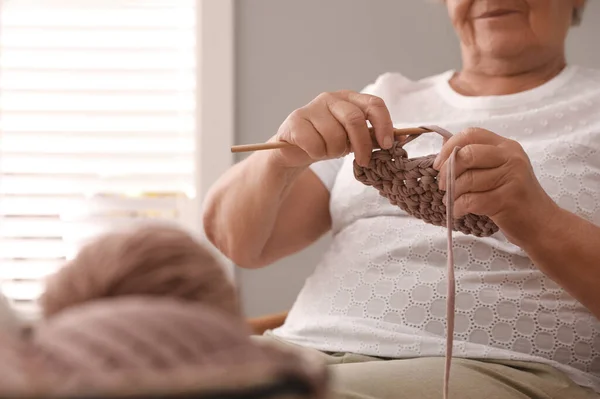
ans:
(393, 84)
(592, 74)
(583, 86)
(578, 80)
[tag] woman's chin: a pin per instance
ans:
(506, 46)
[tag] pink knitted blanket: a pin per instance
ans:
(148, 313)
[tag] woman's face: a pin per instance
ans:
(510, 28)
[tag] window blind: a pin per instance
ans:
(97, 114)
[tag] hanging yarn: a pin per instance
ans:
(412, 185)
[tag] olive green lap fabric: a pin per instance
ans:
(363, 377)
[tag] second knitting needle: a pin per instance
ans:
(282, 144)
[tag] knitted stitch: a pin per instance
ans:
(411, 184)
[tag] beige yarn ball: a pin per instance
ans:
(154, 260)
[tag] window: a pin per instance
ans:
(99, 124)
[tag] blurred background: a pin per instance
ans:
(116, 112)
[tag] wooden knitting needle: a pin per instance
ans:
(412, 131)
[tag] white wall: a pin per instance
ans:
(289, 51)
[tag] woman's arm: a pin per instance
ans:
(259, 211)
(567, 249)
(271, 205)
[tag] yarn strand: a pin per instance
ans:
(451, 295)
(411, 184)
(451, 282)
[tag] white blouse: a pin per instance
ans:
(380, 289)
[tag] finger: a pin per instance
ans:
(467, 137)
(480, 181)
(333, 133)
(376, 112)
(299, 130)
(355, 124)
(483, 203)
(474, 156)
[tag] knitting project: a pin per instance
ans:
(412, 185)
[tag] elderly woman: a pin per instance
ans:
(528, 298)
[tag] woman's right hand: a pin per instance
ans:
(333, 125)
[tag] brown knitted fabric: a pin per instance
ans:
(411, 184)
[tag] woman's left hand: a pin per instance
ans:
(494, 177)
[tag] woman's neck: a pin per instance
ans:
(501, 77)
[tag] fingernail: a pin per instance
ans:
(359, 161)
(387, 143)
(444, 199)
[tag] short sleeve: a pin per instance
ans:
(327, 171)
